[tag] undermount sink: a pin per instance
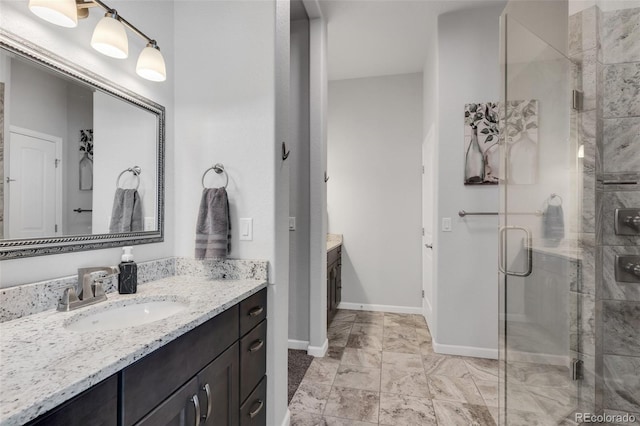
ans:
(117, 317)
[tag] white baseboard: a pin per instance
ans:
(319, 351)
(381, 308)
(287, 418)
(298, 344)
(471, 351)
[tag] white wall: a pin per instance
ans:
(466, 294)
(299, 190)
(73, 44)
(117, 148)
(226, 102)
(374, 195)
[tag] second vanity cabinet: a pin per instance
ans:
(334, 281)
(212, 375)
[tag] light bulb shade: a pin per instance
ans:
(110, 38)
(58, 12)
(151, 64)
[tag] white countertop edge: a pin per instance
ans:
(19, 409)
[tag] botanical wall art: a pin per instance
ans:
(482, 139)
(521, 134)
(86, 162)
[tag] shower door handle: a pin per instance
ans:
(502, 261)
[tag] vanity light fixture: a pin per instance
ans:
(109, 36)
(58, 12)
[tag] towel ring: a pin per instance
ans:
(219, 169)
(136, 170)
(551, 197)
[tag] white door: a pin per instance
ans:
(33, 184)
(428, 207)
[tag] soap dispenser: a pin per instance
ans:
(128, 278)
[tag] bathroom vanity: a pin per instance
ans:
(203, 365)
(334, 274)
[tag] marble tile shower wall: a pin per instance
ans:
(608, 46)
(28, 299)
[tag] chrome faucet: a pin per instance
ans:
(89, 289)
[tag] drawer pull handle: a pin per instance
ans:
(256, 311)
(207, 389)
(257, 345)
(196, 405)
(257, 410)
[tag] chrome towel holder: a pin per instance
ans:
(136, 170)
(219, 169)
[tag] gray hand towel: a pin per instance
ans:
(213, 227)
(126, 215)
(553, 223)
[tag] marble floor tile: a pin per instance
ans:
(454, 389)
(399, 320)
(412, 383)
(338, 333)
(555, 402)
(520, 398)
(310, 398)
(365, 336)
(362, 358)
(321, 371)
(355, 377)
(458, 414)
(353, 404)
(533, 374)
(401, 332)
(402, 361)
(401, 339)
(426, 348)
(335, 352)
(495, 413)
(368, 317)
(405, 410)
(420, 321)
(482, 368)
(444, 365)
(527, 418)
(335, 421)
(489, 391)
(344, 315)
(423, 335)
(305, 419)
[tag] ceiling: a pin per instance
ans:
(382, 37)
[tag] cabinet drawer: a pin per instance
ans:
(252, 311)
(254, 411)
(152, 379)
(253, 359)
(94, 407)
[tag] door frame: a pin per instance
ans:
(430, 170)
(58, 170)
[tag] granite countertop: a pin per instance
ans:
(42, 364)
(333, 241)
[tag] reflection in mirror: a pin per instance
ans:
(78, 158)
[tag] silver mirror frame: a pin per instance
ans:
(16, 249)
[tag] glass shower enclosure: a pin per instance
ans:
(540, 354)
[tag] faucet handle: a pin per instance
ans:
(68, 297)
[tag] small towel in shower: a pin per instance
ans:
(553, 223)
(213, 227)
(126, 215)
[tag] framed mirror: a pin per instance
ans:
(81, 158)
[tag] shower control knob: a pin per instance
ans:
(627, 221)
(628, 269)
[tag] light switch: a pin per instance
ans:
(446, 224)
(246, 229)
(292, 224)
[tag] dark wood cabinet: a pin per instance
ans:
(334, 281)
(215, 372)
(97, 406)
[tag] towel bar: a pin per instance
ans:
(219, 169)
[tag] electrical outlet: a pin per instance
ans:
(446, 224)
(246, 229)
(292, 224)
